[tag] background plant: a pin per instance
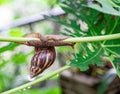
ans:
(82, 20)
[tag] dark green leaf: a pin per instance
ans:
(19, 58)
(99, 21)
(16, 32)
(9, 47)
(2, 62)
(82, 60)
(113, 46)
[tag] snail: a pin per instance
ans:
(42, 59)
(44, 48)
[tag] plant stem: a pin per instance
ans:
(37, 80)
(16, 39)
(76, 39)
(94, 38)
(116, 45)
(111, 61)
(117, 70)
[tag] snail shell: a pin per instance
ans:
(42, 59)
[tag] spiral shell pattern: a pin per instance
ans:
(42, 59)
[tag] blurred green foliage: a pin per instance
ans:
(4, 1)
(8, 47)
(52, 3)
(106, 81)
(51, 90)
(16, 32)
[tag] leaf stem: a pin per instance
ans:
(113, 28)
(116, 45)
(37, 80)
(111, 61)
(117, 70)
(112, 52)
(76, 39)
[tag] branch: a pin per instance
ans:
(33, 19)
(37, 80)
(76, 39)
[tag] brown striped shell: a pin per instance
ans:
(42, 59)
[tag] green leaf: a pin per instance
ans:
(116, 64)
(3, 62)
(51, 3)
(112, 46)
(16, 32)
(64, 49)
(105, 7)
(111, 24)
(67, 9)
(19, 58)
(9, 47)
(82, 60)
(4, 80)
